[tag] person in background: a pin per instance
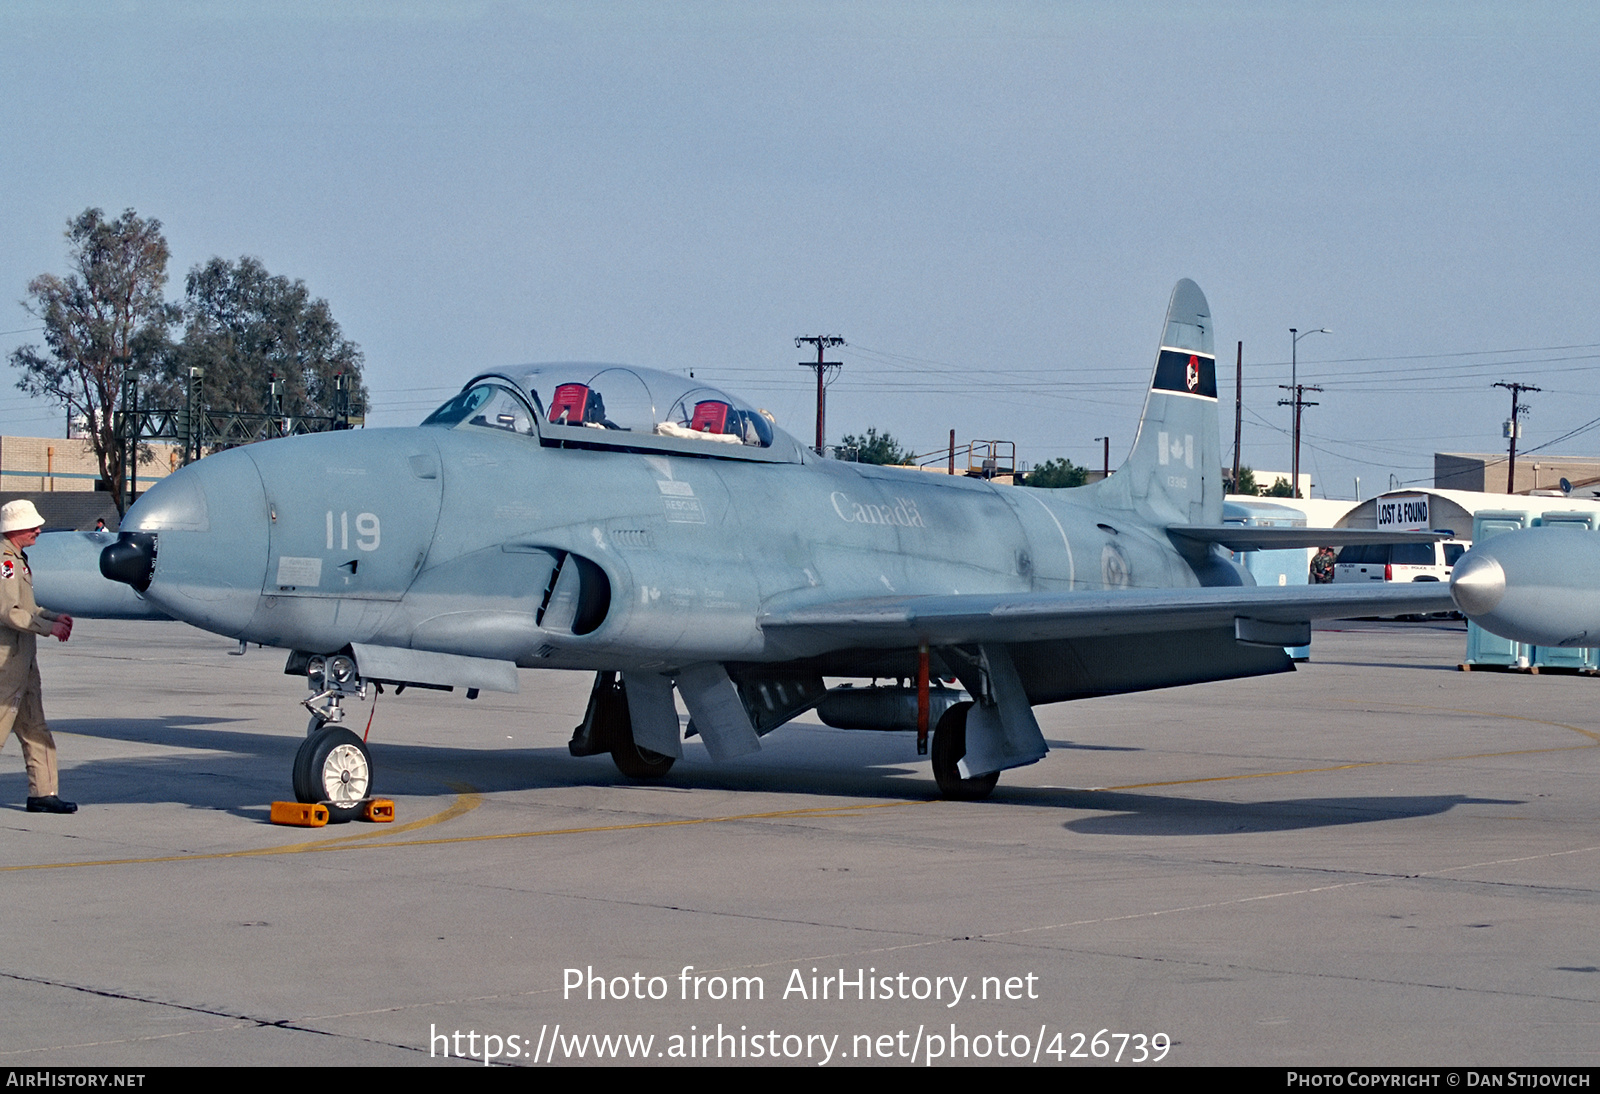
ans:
(1322, 566)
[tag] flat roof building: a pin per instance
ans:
(1486, 472)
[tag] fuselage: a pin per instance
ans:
(489, 543)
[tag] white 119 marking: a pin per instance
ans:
(367, 531)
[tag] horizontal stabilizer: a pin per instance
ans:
(1238, 537)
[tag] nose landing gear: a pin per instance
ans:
(333, 766)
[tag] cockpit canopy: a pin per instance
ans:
(618, 406)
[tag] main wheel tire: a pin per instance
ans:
(949, 746)
(333, 766)
(636, 762)
(614, 725)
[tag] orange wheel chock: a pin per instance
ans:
(378, 811)
(299, 814)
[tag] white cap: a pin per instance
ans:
(19, 516)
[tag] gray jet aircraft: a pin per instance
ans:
(667, 536)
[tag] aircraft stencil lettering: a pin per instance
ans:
(668, 537)
(903, 512)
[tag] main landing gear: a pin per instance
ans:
(333, 765)
(949, 746)
(608, 727)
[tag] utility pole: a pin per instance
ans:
(822, 342)
(1513, 427)
(1299, 403)
(1238, 412)
(1105, 457)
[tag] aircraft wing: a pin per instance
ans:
(1238, 537)
(1255, 613)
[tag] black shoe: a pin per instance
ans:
(51, 804)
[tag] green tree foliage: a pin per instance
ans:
(1245, 485)
(875, 447)
(105, 316)
(1279, 489)
(1054, 474)
(244, 326)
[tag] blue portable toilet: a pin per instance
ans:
(1580, 658)
(1484, 648)
(1287, 567)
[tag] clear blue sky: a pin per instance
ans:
(990, 202)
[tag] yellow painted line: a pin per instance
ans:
(1593, 736)
(1589, 733)
(822, 812)
(349, 843)
(467, 799)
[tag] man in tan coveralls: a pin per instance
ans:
(21, 700)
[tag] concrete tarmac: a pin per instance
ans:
(1376, 860)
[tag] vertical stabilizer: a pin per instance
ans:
(1174, 473)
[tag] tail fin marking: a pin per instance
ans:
(1173, 475)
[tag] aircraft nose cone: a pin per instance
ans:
(131, 560)
(195, 546)
(1477, 584)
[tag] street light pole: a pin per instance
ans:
(1294, 385)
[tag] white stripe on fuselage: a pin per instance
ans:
(1072, 566)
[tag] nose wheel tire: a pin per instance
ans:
(333, 766)
(949, 746)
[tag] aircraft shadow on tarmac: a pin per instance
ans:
(237, 771)
(1162, 815)
(215, 766)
